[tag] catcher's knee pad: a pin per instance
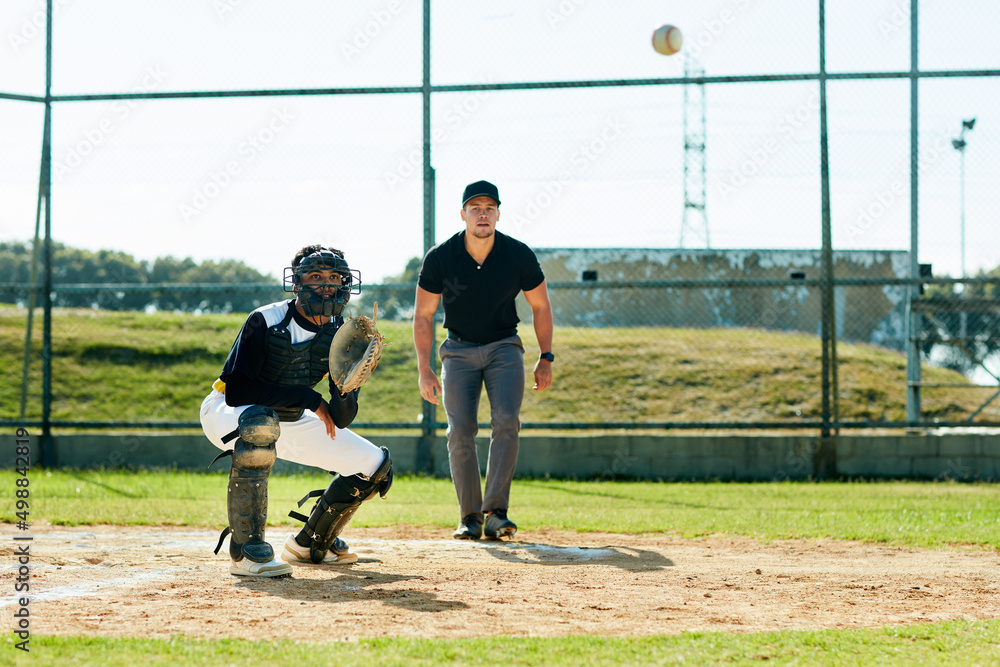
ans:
(259, 425)
(246, 501)
(337, 505)
(381, 479)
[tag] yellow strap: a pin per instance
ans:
(220, 386)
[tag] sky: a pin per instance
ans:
(256, 178)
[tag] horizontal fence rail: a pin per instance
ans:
(11, 287)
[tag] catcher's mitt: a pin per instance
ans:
(355, 351)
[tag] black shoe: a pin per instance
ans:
(498, 525)
(471, 528)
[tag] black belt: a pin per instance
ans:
(455, 337)
(458, 339)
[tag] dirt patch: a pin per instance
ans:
(106, 580)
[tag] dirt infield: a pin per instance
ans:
(105, 580)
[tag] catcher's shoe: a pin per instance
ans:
(498, 525)
(248, 568)
(471, 528)
(338, 554)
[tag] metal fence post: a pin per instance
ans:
(825, 459)
(425, 449)
(913, 319)
(48, 454)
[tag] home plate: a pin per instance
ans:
(480, 551)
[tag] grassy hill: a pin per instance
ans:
(128, 366)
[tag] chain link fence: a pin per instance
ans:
(670, 354)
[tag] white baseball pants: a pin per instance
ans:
(303, 441)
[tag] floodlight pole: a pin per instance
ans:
(961, 186)
(960, 145)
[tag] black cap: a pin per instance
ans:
(480, 189)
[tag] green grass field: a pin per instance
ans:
(903, 513)
(965, 643)
(133, 366)
(128, 366)
(939, 515)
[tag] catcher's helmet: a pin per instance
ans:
(312, 297)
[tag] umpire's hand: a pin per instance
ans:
(543, 375)
(429, 384)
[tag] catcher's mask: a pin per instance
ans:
(314, 298)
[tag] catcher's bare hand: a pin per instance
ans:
(323, 412)
(543, 375)
(429, 384)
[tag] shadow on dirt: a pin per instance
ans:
(350, 586)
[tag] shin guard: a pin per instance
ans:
(253, 457)
(337, 505)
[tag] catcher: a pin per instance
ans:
(264, 406)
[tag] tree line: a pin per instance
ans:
(121, 282)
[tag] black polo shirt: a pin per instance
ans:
(479, 299)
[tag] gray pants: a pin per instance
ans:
(465, 369)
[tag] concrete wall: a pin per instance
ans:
(964, 456)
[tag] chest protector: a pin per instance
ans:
(298, 364)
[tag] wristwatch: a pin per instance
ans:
(547, 356)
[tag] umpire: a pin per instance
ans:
(478, 272)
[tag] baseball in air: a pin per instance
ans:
(667, 39)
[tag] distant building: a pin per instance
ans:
(868, 313)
